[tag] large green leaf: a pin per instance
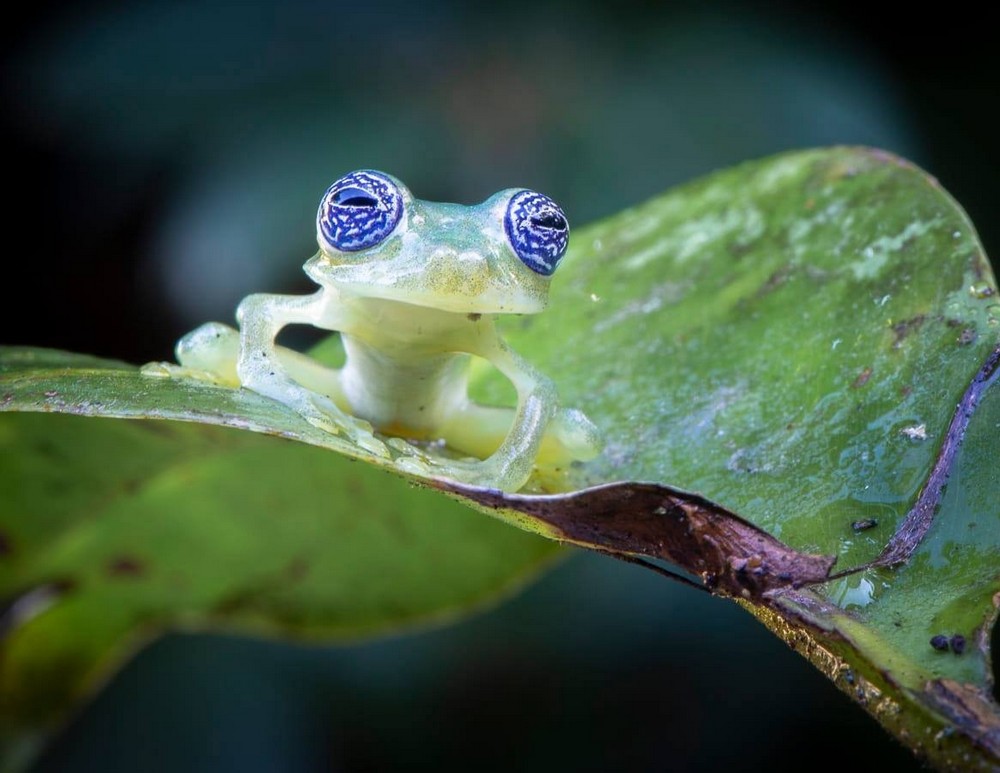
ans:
(111, 531)
(790, 338)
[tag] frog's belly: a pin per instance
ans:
(411, 396)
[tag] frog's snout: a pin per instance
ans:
(459, 272)
(462, 260)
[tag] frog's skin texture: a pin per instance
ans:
(413, 287)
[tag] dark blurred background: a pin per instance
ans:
(165, 158)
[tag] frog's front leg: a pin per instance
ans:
(510, 465)
(260, 368)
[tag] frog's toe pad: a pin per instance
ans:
(577, 434)
(212, 348)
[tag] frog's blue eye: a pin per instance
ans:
(359, 211)
(537, 230)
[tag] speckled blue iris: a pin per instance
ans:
(360, 210)
(538, 231)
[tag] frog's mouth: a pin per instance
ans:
(470, 285)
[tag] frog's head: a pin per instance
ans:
(377, 241)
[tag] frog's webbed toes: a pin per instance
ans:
(495, 473)
(569, 437)
(577, 433)
(322, 412)
(366, 439)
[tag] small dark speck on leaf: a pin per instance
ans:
(864, 524)
(902, 329)
(862, 378)
(7, 398)
(958, 644)
(940, 642)
(774, 281)
(125, 566)
(297, 569)
(63, 586)
(474, 317)
(967, 336)
(5, 546)
(739, 249)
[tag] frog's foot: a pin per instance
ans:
(570, 437)
(209, 353)
(495, 472)
(321, 412)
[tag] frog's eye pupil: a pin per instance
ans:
(359, 211)
(550, 220)
(537, 230)
(354, 197)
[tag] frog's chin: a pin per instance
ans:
(492, 301)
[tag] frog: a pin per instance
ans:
(415, 290)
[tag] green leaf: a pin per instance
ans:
(111, 531)
(789, 338)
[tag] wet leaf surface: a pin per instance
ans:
(789, 339)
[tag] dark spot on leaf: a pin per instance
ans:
(864, 524)
(774, 281)
(957, 644)
(125, 566)
(474, 317)
(131, 486)
(297, 569)
(161, 428)
(862, 378)
(940, 642)
(7, 398)
(902, 329)
(740, 248)
(63, 585)
(967, 336)
(5, 547)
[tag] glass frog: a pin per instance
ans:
(414, 288)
